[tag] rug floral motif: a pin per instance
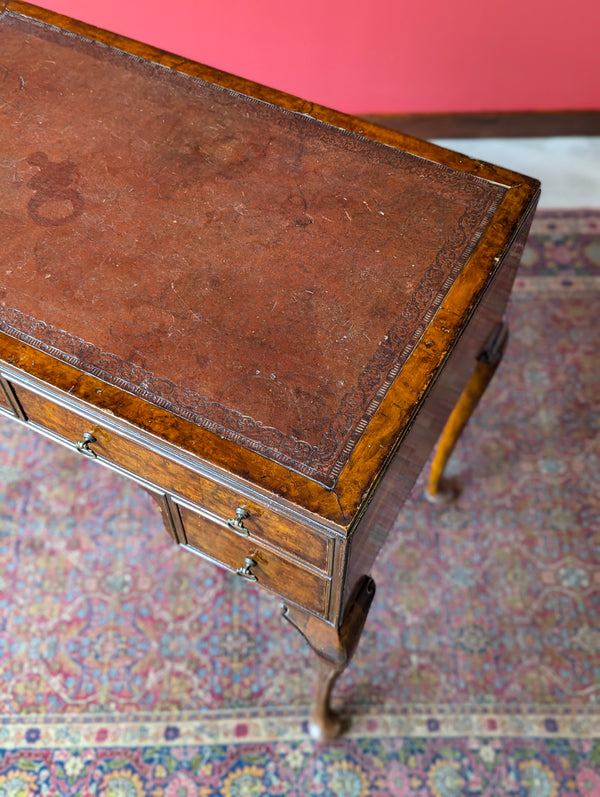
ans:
(399, 767)
(130, 667)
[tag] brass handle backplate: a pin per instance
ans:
(83, 446)
(237, 523)
(246, 571)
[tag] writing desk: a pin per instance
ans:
(261, 310)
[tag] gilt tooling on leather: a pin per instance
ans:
(273, 274)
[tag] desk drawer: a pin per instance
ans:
(269, 569)
(254, 520)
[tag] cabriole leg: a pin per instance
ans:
(334, 649)
(439, 489)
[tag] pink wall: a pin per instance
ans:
(383, 55)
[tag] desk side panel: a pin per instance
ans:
(372, 529)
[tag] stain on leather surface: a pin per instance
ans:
(55, 200)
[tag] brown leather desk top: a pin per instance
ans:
(240, 262)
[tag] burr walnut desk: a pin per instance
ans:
(261, 310)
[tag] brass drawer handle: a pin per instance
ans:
(237, 523)
(245, 572)
(83, 446)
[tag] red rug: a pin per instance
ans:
(128, 667)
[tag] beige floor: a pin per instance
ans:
(569, 167)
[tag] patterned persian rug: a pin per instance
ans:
(129, 668)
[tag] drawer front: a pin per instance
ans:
(253, 520)
(256, 563)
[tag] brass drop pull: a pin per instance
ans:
(83, 446)
(237, 523)
(246, 572)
